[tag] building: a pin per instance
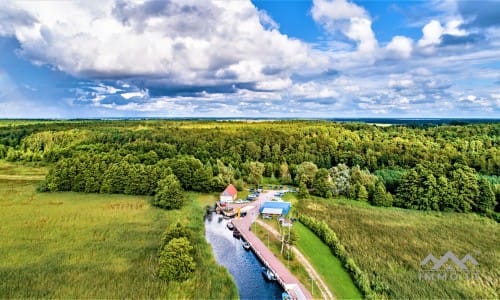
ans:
(229, 194)
(274, 208)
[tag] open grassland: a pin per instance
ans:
(73, 245)
(18, 171)
(389, 244)
(326, 264)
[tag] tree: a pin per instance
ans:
(362, 193)
(485, 201)
(407, 192)
(176, 262)
(465, 182)
(303, 192)
(169, 194)
(285, 176)
(340, 177)
(321, 183)
(380, 196)
(255, 171)
(202, 179)
(305, 173)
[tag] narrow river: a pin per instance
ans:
(243, 265)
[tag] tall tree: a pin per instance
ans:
(485, 201)
(169, 194)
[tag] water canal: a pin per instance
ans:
(243, 265)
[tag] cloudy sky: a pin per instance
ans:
(241, 58)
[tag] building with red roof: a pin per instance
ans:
(229, 194)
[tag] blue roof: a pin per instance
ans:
(285, 206)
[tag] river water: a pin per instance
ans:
(243, 265)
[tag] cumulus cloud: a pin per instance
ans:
(195, 42)
(400, 47)
(350, 19)
(191, 57)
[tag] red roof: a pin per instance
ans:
(230, 190)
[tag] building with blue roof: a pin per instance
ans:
(275, 208)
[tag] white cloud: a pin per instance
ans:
(275, 84)
(432, 32)
(325, 11)
(139, 94)
(400, 47)
(350, 19)
(182, 42)
(400, 83)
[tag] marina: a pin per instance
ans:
(242, 264)
(273, 270)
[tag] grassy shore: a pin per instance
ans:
(389, 244)
(74, 245)
(326, 264)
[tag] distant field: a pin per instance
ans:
(73, 245)
(20, 171)
(389, 244)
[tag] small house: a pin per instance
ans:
(228, 195)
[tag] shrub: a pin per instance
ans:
(176, 262)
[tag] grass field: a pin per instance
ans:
(274, 244)
(389, 244)
(73, 245)
(326, 264)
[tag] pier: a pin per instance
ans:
(284, 277)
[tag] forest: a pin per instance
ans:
(426, 167)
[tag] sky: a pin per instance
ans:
(255, 59)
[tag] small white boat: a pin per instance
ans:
(268, 274)
(247, 245)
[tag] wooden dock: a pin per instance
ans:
(286, 279)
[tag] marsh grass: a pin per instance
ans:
(74, 245)
(389, 244)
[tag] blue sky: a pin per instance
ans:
(241, 58)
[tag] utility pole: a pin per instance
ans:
(312, 286)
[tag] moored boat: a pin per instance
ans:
(230, 226)
(246, 245)
(268, 274)
(236, 233)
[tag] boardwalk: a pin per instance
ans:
(285, 278)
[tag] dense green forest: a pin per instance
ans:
(446, 168)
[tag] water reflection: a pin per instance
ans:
(243, 265)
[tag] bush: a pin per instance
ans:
(176, 262)
(173, 232)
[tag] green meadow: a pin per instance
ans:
(75, 245)
(388, 244)
(326, 264)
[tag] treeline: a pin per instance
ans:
(324, 143)
(447, 168)
(115, 174)
(430, 186)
